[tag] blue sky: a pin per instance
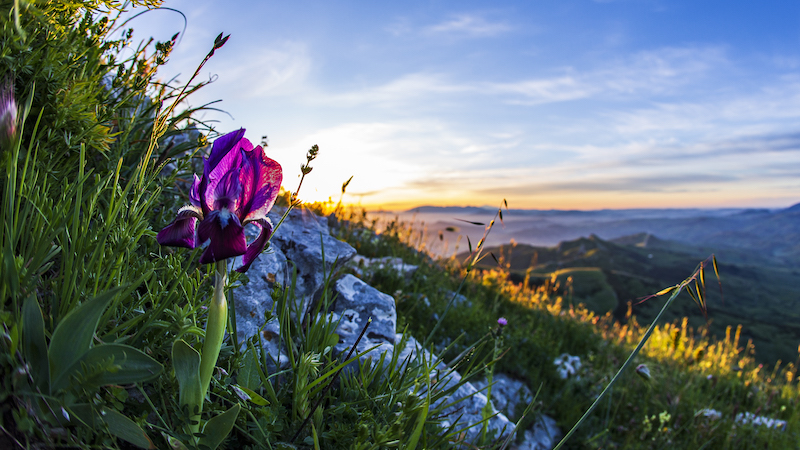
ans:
(550, 104)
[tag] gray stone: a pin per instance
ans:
(254, 305)
(300, 241)
(508, 394)
(463, 407)
(365, 266)
(356, 302)
(460, 301)
(544, 435)
(468, 409)
(511, 396)
(305, 241)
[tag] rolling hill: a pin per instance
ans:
(607, 274)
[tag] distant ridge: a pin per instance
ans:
(793, 208)
(592, 212)
(450, 209)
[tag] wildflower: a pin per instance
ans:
(567, 365)
(750, 418)
(712, 414)
(238, 187)
(646, 425)
(240, 393)
(502, 321)
(643, 372)
(8, 112)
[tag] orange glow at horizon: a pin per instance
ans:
(574, 201)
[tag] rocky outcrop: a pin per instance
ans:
(508, 394)
(304, 243)
(356, 302)
(543, 435)
(511, 397)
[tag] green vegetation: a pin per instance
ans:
(607, 275)
(692, 371)
(100, 325)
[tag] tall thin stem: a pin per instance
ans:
(627, 363)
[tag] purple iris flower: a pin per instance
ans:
(238, 187)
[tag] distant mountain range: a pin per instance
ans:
(755, 236)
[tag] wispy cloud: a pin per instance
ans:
(279, 69)
(760, 111)
(642, 183)
(655, 72)
(642, 75)
(472, 25)
(406, 89)
(455, 26)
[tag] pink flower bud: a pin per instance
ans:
(502, 321)
(8, 112)
(643, 372)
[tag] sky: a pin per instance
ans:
(568, 104)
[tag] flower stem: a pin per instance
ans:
(215, 327)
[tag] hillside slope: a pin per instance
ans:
(606, 275)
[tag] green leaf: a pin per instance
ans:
(331, 340)
(34, 345)
(119, 425)
(423, 414)
(83, 414)
(187, 370)
(219, 427)
(248, 374)
(125, 429)
(118, 364)
(10, 268)
(73, 335)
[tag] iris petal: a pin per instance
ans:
(261, 180)
(256, 247)
(226, 234)
(226, 193)
(194, 195)
(212, 176)
(222, 146)
(180, 233)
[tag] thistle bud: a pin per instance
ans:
(8, 113)
(643, 372)
(502, 321)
